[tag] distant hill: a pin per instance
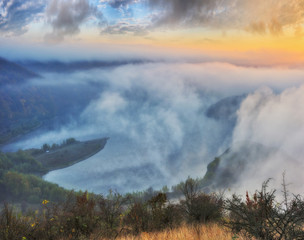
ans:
(12, 73)
(225, 109)
(17, 104)
(27, 106)
(67, 67)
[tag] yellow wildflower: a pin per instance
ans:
(44, 202)
(33, 225)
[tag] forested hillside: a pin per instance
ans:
(25, 105)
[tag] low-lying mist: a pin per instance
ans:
(155, 117)
(275, 120)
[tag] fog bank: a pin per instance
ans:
(155, 116)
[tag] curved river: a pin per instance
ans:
(123, 170)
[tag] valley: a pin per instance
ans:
(151, 119)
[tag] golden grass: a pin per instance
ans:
(204, 232)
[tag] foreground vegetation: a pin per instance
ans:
(189, 232)
(196, 215)
(45, 211)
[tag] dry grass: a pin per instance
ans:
(203, 232)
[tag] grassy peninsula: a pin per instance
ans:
(21, 171)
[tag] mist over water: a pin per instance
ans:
(122, 166)
(155, 117)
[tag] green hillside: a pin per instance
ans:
(21, 171)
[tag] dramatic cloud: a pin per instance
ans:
(192, 12)
(66, 16)
(262, 17)
(15, 15)
(259, 16)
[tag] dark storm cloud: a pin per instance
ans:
(185, 12)
(260, 16)
(164, 13)
(65, 17)
(15, 15)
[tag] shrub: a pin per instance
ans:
(137, 217)
(157, 211)
(80, 217)
(262, 217)
(12, 226)
(199, 207)
(203, 208)
(74, 219)
(111, 213)
(152, 215)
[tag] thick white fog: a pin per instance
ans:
(275, 120)
(155, 115)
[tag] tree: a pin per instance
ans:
(70, 141)
(198, 206)
(46, 147)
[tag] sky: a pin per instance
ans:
(266, 31)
